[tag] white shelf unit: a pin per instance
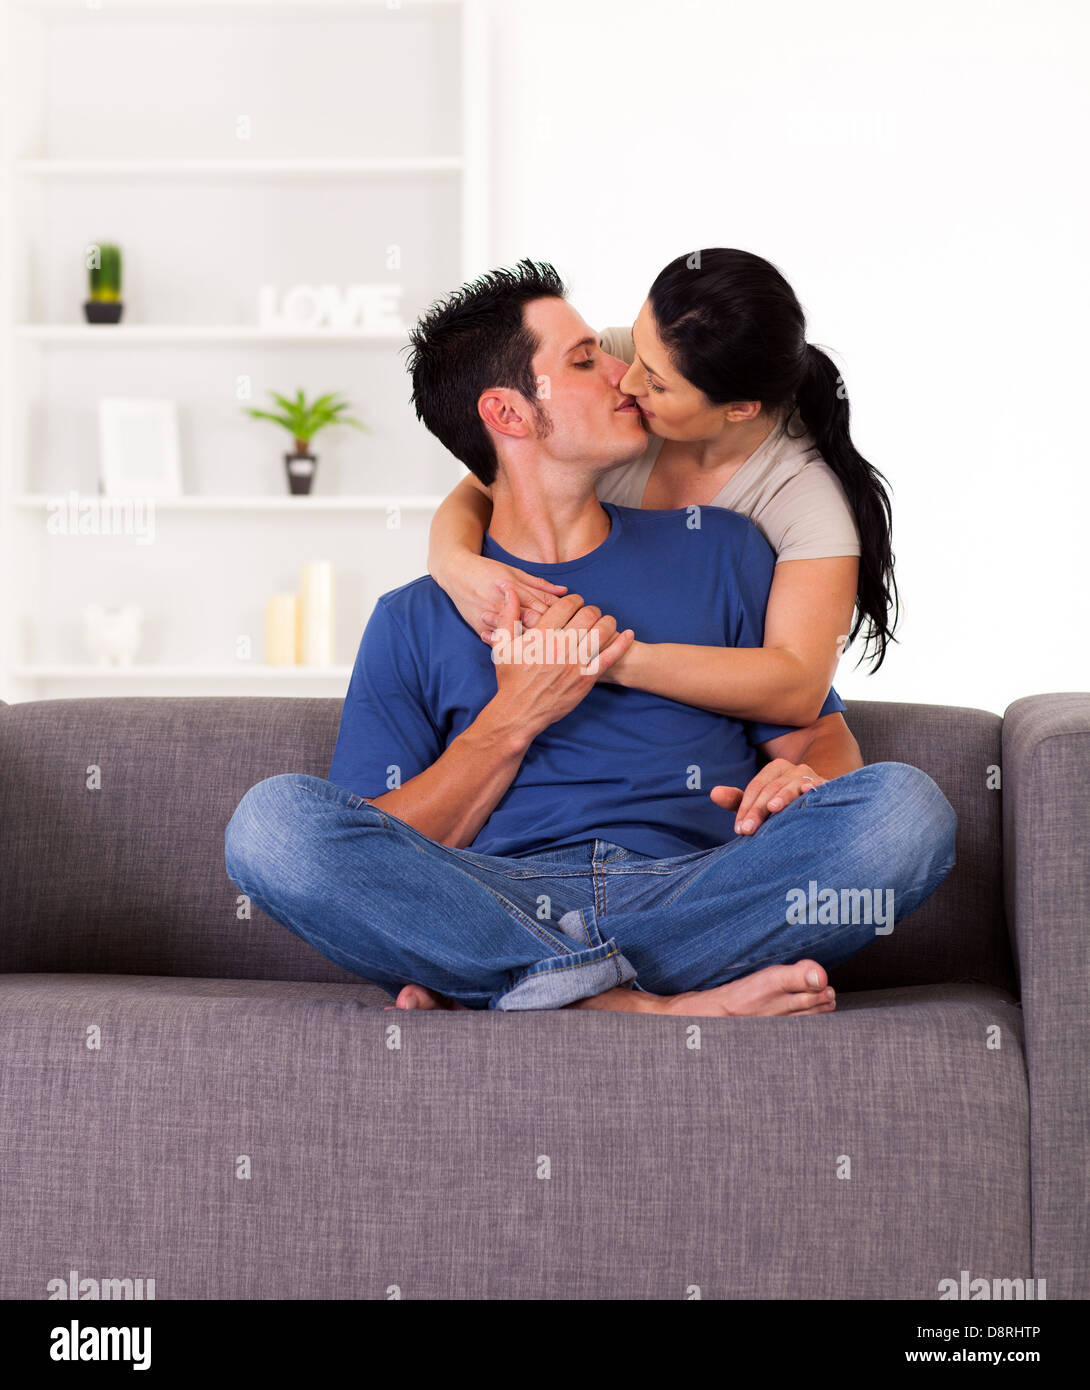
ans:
(234, 168)
(367, 132)
(106, 335)
(212, 502)
(118, 675)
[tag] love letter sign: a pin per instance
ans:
(372, 308)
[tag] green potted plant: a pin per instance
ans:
(303, 420)
(104, 275)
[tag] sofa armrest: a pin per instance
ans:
(1046, 867)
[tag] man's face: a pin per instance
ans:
(589, 419)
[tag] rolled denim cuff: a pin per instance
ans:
(550, 984)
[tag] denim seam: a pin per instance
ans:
(624, 870)
(354, 804)
(548, 968)
(546, 871)
(683, 887)
(546, 938)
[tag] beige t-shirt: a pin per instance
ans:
(785, 487)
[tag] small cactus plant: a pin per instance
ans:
(103, 304)
(105, 278)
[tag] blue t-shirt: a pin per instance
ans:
(624, 765)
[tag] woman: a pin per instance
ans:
(742, 413)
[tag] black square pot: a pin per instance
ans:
(103, 311)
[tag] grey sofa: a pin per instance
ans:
(202, 1100)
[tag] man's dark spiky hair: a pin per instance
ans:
(471, 341)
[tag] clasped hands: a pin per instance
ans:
(549, 684)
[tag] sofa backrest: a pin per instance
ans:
(960, 934)
(112, 856)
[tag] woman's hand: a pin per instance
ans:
(776, 785)
(542, 675)
(627, 670)
(473, 586)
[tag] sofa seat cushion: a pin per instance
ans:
(278, 1139)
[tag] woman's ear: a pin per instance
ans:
(737, 411)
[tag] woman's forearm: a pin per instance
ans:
(459, 523)
(830, 748)
(769, 684)
(783, 682)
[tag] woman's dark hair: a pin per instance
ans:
(474, 340)
(734, 328)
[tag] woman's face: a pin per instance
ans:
(669, 405)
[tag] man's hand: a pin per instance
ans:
(776, 785)
(541, 675)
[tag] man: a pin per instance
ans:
(523, 834)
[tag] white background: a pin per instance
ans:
(919, 174)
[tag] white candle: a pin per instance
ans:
(281, 627)
(317, 614)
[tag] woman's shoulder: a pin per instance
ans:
(795, 497)
(809, 516)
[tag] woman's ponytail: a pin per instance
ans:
(823, 404)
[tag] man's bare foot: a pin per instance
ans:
(417, 997)
(775, 992)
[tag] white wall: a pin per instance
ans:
(918, 172)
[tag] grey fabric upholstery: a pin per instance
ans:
(137, 882)
(958, 933)
(145, 853)
(1046, 858)
(868, 1153)
(419, 1167)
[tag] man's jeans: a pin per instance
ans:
(385, 902)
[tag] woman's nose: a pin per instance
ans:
(629, 382)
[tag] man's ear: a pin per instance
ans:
(505, 412)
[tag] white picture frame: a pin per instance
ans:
(138, 447)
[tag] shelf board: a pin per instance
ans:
(229, 502)
(377, 167)
(144, 334)
(86, 671)
(220, 9)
